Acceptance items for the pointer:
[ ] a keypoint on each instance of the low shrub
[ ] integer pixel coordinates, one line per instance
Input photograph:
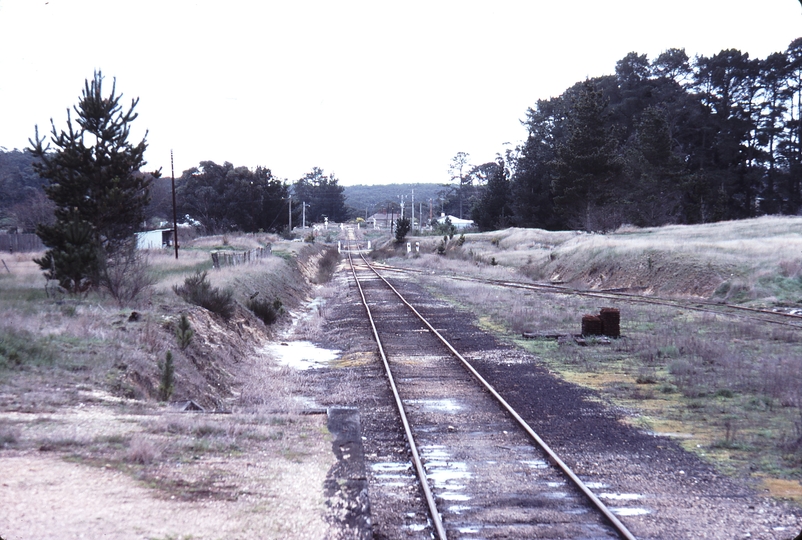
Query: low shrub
(18, 349)
(142, 451)
(126, 276)
(166, 377)
(266, 310)
(327, 266)
(197, 290)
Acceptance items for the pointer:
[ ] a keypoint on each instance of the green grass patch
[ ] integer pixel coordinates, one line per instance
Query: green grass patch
(19, 349)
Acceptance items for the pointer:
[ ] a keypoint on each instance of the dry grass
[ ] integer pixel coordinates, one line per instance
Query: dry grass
(737, 382)
(758, 260)
(142, 451)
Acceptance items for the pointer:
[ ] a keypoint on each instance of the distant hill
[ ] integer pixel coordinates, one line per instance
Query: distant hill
(370, 199)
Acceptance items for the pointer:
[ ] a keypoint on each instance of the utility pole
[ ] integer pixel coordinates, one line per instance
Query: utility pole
(175, 217)
(413, 210)
(303, 220)
(289, 231)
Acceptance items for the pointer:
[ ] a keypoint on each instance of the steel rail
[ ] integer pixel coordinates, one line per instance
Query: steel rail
(421, 471)
(614, 521)
(704, 306)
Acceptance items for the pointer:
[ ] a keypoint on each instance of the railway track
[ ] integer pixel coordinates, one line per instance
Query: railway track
(779, 318)
(482, 470)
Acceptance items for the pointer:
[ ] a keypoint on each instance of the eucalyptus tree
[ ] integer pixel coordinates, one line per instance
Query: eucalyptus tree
(224, 198)
(324, 195)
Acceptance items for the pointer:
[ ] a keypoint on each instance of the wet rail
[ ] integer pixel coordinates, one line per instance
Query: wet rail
(424, 373)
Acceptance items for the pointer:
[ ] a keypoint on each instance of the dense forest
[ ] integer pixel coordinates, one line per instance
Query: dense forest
(666, 140)
(671, 140)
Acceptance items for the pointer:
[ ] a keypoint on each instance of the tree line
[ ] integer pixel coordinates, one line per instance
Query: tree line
(668, 140)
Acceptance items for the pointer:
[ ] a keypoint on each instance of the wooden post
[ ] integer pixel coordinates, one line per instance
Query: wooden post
(175, 216)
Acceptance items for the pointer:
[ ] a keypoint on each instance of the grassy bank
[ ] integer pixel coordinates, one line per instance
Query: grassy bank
(82, 397)
(92, 341)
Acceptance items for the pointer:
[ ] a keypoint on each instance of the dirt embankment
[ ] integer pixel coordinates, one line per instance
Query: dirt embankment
(645, 273)
(210, 371)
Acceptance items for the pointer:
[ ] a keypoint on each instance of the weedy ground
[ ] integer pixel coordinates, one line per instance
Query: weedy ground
(79, 387)
(729, 388)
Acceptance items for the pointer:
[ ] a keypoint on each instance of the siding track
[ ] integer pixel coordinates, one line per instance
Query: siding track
(792, 320)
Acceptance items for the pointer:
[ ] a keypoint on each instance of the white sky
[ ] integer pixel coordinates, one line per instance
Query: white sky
(374, 91)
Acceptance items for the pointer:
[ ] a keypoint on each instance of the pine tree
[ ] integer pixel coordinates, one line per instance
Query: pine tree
(94, 181)
(402, 227)
(493, 210)
(587, 164)
(166, 377)
(184, 332)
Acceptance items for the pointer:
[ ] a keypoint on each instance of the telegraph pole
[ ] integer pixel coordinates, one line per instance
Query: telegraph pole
(175, 217)
(413, 210)
(289, 231)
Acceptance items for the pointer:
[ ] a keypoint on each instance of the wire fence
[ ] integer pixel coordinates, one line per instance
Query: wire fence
(234, 258)
(20, 242)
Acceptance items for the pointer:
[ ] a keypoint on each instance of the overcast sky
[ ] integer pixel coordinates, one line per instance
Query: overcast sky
(374, 91)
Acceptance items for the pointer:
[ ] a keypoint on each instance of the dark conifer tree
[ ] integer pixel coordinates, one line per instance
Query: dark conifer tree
(94, 186)
(587, 165)
(494, 209)
(531, 185)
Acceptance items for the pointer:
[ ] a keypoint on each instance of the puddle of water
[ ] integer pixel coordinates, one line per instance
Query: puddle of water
(621, 496)
(310, 310)
(446, 405)
(536, 464)
(393, 484)
(448, 496)
(390, 466)
(434, 453)
(670, 434)
(447, 476)
(301, 355)
(630, 511)
(595, 485)
(442, 471)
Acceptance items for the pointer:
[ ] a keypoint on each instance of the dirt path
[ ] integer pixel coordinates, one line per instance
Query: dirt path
(44, 497)
(100, 471)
